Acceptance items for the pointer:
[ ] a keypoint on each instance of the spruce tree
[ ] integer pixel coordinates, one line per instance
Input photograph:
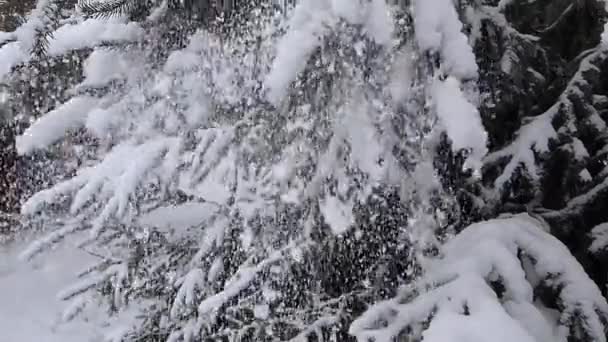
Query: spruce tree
(250, 172)
(545, 75)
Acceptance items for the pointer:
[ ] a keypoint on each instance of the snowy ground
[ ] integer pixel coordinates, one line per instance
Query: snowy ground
(28, 305)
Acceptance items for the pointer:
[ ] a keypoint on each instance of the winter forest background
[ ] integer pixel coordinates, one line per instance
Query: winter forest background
(313, 170)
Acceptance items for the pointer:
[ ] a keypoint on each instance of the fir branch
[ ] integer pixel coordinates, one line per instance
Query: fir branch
(108, 9)
(51, 15)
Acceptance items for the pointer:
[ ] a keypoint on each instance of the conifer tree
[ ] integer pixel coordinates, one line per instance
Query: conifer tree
(544, 74)
(277, 169)
(250, 172)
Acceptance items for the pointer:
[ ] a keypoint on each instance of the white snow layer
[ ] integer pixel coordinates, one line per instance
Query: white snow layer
(68, 37)
(179, 217)
(92, 32)
(466, 306)
(438, 28)
(29, 309)
(599, 236)
(461, 120)
(100, 68)
(11, 54)
(310, 22)
(54, 125)
(103, 66)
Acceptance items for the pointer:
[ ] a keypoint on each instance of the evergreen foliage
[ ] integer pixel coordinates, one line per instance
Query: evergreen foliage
(317, 171)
